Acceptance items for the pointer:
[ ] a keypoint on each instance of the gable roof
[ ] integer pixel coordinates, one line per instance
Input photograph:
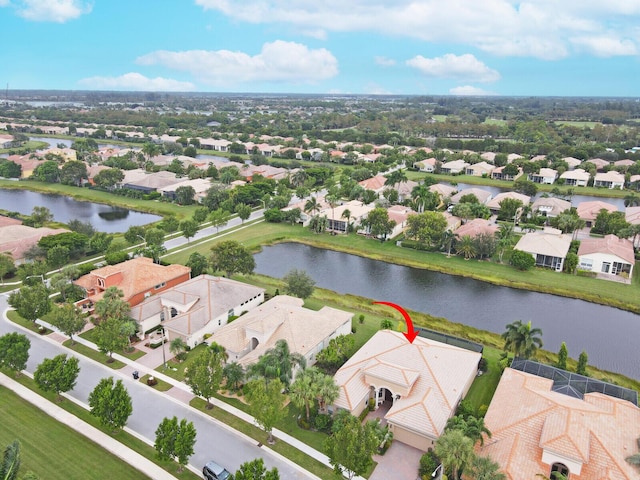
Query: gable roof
(526, 418)
(590, 210)
(483, 196)
(609, 244)
(434, 373)
(476, 227)
(374, 183)
(494, 203)
(632, 215)
(551, 205)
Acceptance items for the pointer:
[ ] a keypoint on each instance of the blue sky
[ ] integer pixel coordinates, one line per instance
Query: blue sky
(421, 47)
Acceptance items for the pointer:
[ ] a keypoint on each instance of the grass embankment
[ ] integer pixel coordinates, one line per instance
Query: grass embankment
(52, 450)
(98, 196)
(614, 294)
(26, 147)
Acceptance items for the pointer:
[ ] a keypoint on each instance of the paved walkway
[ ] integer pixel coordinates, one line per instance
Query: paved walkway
(182, 392)
(110, 444)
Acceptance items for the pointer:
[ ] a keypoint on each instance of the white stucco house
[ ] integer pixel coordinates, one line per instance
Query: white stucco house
(197, 307)
(609, 255)
(282, 317)
(549, 247)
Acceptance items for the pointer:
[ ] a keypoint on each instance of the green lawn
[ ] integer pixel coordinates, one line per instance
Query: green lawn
(574, 123)
(51, 449)
(484, 386)
(94, 355)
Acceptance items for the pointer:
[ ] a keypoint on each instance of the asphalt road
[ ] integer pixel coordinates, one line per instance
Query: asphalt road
(214, 441)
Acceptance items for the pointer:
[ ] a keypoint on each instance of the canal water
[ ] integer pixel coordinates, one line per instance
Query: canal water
(609, 335)
(104, 218)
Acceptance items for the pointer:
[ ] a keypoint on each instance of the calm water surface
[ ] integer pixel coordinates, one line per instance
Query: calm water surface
(608, 335)
(104, 218)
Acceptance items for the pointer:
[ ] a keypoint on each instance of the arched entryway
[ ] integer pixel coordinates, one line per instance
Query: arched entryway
(254, 343)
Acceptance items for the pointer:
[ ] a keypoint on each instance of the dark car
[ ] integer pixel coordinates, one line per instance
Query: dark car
(213, 471)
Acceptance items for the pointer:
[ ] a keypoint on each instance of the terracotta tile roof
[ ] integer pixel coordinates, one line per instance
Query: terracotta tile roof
(443, 190)
(483, 196)
(494, 203)
(551, 205)
(610, 244)
(632, 215)
(545, 243)
(136, 275)
(374, 183)
(434, 373)
(590, 210)
(526, 419)
(16, 239)
(477, 226)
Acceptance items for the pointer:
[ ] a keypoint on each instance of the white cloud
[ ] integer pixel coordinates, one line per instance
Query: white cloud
(375, 89)
(138, 82)
(469, 90)
(461, 67)
(278, 61)
(384, 61)
(4, 3)
(52, 10)
(606, 46)
(537, 28)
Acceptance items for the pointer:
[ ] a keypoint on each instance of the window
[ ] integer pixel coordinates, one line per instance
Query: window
(174, 312)
(605, 267)
(160, 285)
(101, 282)
(162, 316)
(559, 471)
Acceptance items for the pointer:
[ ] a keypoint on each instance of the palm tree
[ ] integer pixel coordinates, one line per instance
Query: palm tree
(466, 246)
(233, 374)
(424, 199)
(178, 348)
(483, 468)
(150, 150)
(631, 200)
(522, 339)
(395, 177)
(277, 362)
(448, 237)
(454, 451)
(298, 178)
(346, 213)
(504, 238)
(472, 427)
(219, 350)
(312, 205)
(332, 200)
(634, 459)
(304, 390)
(327, 391)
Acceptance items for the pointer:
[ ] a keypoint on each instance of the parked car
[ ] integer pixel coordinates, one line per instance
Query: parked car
(213, 471)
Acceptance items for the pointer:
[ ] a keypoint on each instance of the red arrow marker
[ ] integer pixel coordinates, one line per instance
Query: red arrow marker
(411, 333)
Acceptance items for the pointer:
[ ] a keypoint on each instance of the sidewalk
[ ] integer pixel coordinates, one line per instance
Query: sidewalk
(184, 394)
(110, 444)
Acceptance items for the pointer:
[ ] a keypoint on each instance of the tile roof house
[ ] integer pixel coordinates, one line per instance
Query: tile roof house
(545, 176)
(610, 179)
(536, 431)
(337, 223)
(445, 191)
(404, 189)
(497, 174)
(483, 196)
(427, 165)
(572, 162)
(421, 383)
(479, 169)
(399, 214)
(377, 183)
(138, 278)
(282, 317)
(494, 203)
(16, 239)
(488, 156)
(588, 211)
(632, 215)
(28, 162)
(609, 255)
(199, 185)
(550, 206)
(576, 178)
(453, 167)
(549, 247)
(197, 307)
(150, 182)
(476, 227)
(599, 163)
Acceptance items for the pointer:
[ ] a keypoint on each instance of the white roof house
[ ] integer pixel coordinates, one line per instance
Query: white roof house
(422, 383)
(196, 307)
(549, 247)
(550, 206)
(576, 178)
(609, 255)
(480, 169)
(610, 179)
(545, 176)
(283, 317)
(454, 166)
(494, 203)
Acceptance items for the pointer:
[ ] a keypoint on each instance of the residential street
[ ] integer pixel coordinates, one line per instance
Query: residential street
(214, 441)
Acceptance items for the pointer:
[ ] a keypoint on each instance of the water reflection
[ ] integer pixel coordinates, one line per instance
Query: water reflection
(608, 335)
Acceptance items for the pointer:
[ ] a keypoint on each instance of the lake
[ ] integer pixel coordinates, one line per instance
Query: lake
(608, 335)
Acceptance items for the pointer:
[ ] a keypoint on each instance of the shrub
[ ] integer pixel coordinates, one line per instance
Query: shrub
(322, 422)
(372, 404)
(113, 258)
(428, 463)
(482, 365)
(361, 319)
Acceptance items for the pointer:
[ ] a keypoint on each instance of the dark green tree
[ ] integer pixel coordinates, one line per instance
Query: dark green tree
(234, 375)
(73, 172)
(243, 211)
(266, 404)
(68, 319)
(255, 470)
(583, 360)
(197, 263)
(522, 260)
(57, 374)
(204, 375)
(299, 283)
(31, 302)
(379, 224)
(111, 403)
(521, 339)
(563, 354)
(351, 446)
(14, 351)
(189, 228)
(185, 195)
(231, 257)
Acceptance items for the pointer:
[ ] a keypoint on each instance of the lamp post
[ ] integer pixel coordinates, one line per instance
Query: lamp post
(435, 472)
